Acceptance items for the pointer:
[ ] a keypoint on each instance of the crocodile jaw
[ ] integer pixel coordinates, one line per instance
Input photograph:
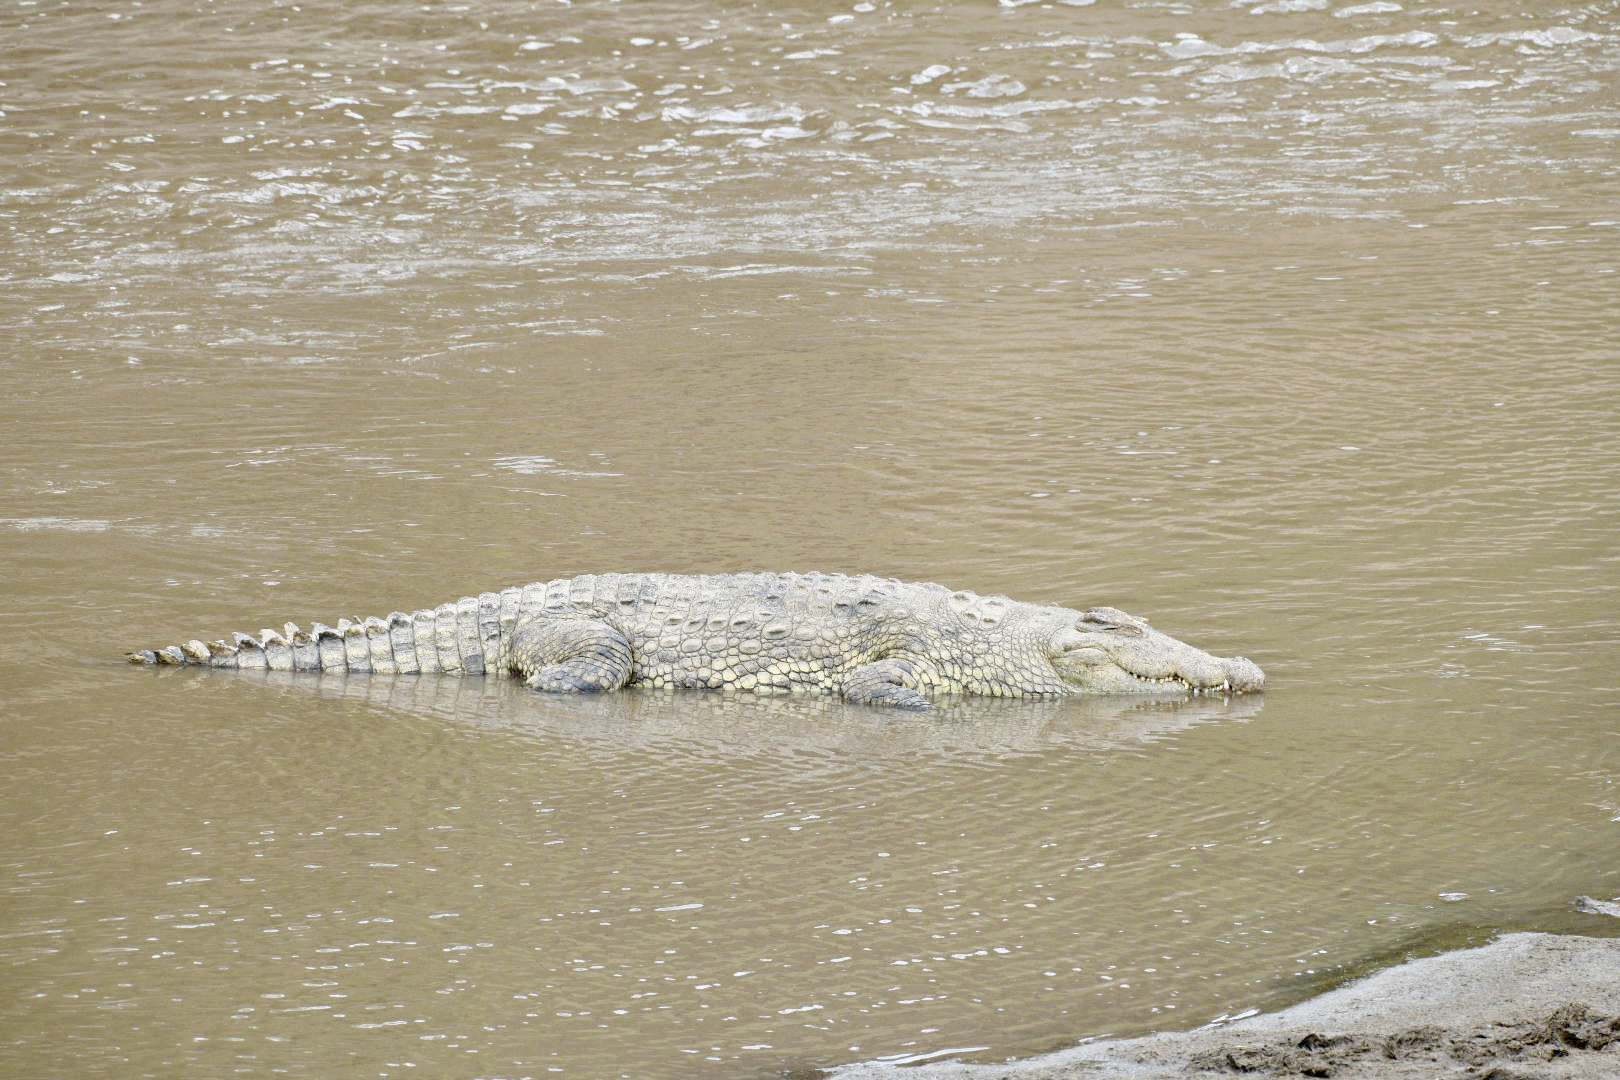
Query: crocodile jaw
(1113, 653)
(1238, 675)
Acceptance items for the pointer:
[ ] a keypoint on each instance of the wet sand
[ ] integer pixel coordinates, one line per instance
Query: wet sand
(1524, 1007)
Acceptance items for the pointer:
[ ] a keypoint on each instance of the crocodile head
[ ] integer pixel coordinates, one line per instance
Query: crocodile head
(1109, 652)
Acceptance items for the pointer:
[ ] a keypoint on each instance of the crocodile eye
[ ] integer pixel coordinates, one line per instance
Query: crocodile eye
(1108, 619)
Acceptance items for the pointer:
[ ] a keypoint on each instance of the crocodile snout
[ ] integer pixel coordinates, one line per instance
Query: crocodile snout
(1243, 674)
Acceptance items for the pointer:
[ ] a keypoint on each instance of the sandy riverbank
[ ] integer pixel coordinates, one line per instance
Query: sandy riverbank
(1524, 1007)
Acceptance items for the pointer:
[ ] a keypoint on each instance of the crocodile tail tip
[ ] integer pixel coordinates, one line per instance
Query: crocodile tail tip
(195, 652)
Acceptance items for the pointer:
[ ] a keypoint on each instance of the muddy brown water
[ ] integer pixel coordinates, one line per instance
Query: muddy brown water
(1289, 325)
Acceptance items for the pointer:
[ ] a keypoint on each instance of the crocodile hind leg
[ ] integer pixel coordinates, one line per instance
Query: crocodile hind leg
(569, 656)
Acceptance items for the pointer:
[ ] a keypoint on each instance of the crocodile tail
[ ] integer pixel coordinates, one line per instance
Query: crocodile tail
(454, 638)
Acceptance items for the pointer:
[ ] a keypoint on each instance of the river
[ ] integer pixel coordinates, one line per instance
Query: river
(1287, 324)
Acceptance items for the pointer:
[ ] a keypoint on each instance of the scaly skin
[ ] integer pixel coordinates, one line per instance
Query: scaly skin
(872, 640)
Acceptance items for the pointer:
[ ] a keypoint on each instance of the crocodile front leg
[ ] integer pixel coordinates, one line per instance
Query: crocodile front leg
(569, 656)
(891, 681)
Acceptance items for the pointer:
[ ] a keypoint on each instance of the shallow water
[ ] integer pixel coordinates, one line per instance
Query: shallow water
(1287, 325)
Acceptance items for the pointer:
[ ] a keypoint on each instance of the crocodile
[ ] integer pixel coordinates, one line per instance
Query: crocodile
(874, 641)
